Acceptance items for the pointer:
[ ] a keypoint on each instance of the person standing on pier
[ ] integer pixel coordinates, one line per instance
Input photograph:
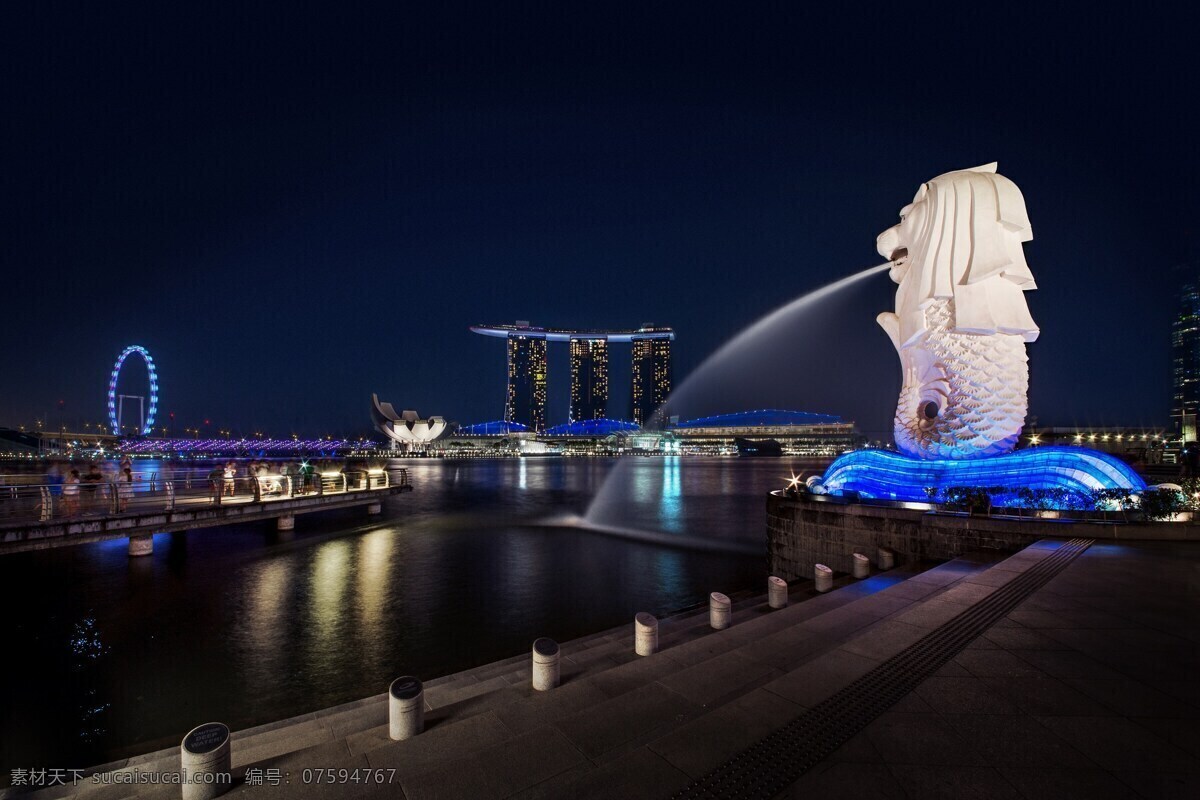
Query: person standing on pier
(216, 479)
(90, 483)
(70, 494)
(54, 479)
(109, 477)
(229, 475)
(307, 471)
(124, 489)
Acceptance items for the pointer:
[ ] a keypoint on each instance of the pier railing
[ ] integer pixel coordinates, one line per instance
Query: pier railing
(44, 502)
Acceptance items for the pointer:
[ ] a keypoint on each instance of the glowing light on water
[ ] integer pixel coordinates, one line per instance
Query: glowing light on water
(374, 566)
(328, 586)
(671, 507)
(86, 643)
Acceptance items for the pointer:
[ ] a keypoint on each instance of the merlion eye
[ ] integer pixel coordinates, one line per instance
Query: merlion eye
(930, 410)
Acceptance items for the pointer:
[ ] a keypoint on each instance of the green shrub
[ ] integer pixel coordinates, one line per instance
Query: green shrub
(1159, 505)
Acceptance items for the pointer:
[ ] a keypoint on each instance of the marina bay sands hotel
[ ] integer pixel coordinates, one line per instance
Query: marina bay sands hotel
(526, 400)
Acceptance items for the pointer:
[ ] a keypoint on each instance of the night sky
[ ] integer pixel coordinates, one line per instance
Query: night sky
(294, 205)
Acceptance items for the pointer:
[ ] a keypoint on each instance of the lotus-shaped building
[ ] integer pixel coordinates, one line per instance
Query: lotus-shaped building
(407, 427)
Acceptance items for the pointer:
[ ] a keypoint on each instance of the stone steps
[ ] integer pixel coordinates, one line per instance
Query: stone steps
(612, 706)
(820, 657)
(696, 671)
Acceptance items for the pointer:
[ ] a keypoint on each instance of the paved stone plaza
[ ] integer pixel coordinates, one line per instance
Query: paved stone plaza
(1088, 688)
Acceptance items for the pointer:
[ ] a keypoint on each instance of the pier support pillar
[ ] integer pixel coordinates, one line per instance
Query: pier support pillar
(823, 576)
(406, 708)
(141, 545)
(645, 634)
(545, 664)
(777, 592)
(286, 522)
(205, 758)
(375, 508)
(720, 609)
(862, 566)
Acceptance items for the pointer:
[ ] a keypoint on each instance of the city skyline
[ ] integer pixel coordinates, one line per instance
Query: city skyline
(264, 231)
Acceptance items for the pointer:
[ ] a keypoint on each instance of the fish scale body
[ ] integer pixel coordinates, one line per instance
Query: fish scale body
(978, 381)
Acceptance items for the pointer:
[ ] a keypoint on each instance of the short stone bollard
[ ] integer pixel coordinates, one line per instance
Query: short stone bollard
(823, 576)
(886, 558)
(720, 609)
(206, 762)
(545, 664)
(777, 592)
(406, 708)
(862, 566)
(645, 634)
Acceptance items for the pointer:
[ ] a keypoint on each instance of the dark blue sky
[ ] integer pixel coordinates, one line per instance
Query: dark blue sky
(294, 205)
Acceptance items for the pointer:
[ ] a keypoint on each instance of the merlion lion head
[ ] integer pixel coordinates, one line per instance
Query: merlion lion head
(961, 321)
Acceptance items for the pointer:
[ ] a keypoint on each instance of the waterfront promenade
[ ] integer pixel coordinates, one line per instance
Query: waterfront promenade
(1080, 683)
(33, 519)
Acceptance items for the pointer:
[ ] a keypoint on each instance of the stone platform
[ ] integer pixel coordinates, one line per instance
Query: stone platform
(1086, 688)
(803, 530)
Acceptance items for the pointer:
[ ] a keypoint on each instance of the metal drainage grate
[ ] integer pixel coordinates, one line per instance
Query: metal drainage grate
(778, 760)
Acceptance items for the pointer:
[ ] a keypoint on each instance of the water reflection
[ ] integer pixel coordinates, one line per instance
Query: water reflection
(269, 587)
(328, 590)
(449, 578)
(88, 652)
(645, 485)
(374, 569)
(522, 570)
(86, 645)
(269, 592)
(669, 570)
(671, 508)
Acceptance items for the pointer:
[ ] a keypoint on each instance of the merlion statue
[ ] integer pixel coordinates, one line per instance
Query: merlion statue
(961, 322)
(960, 327)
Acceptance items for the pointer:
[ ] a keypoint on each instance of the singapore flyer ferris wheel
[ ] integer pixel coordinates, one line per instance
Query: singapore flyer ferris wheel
(116, 402)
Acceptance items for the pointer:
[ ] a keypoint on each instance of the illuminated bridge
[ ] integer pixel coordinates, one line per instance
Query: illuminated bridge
(525, 402)
(216, 447)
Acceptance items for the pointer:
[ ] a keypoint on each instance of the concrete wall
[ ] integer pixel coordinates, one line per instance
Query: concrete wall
(803, 531)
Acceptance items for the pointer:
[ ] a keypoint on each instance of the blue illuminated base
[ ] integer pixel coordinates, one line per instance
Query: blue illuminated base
(888, 475)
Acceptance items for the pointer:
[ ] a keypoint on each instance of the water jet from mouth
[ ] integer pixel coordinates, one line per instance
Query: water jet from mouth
(713, 379)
